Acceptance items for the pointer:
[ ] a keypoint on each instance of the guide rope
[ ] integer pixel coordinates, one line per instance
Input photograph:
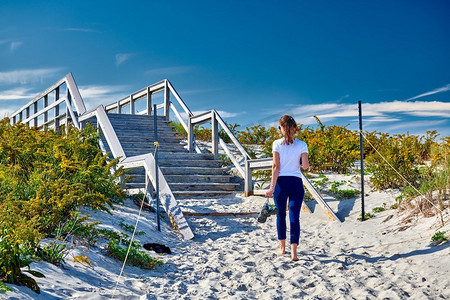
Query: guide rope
(422, 195)
(134, 232)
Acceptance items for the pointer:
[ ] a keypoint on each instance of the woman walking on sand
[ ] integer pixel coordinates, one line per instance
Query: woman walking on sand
(289, 155)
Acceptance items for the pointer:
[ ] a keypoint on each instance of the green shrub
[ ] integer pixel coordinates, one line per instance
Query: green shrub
(367, 216)
(44, 176)
(347, 193)
(378, 209)
(53, 253)
(135, 257)
(439, 237)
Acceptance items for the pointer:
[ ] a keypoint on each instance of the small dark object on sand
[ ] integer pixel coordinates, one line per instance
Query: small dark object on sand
(158, 248)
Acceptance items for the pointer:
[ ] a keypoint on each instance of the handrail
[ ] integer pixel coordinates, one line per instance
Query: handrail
(32, 113)
(266, 164)
(211, 116)
(148, 162)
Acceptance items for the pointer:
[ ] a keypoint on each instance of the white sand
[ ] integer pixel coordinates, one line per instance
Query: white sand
(234, 257)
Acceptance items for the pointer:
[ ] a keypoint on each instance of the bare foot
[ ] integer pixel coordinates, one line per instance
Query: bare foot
(295, 258)
(281, 251)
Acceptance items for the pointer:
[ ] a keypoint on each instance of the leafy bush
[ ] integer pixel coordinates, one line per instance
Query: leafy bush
(53, 253)
(367, 216)
(439, 237)
(135, 257)
(378, 209)
(44, 176)
(347, 193)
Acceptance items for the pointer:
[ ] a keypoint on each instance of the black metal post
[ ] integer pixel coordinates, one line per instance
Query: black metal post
(362, 160)
(155, 115)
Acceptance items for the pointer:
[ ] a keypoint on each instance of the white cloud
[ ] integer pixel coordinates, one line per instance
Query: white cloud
(14, 45)
(331, 111)
(435, 91)
(16, 94)
(94, 95)
(27, 76)
(122, 57)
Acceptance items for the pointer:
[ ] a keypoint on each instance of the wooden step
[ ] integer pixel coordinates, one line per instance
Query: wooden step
(191, 170)
(192, 179)
(180, 195)
(198, 178)
(189, 163)
(204, 186)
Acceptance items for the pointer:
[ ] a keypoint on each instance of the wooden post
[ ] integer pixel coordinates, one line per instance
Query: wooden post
(248, 188)
(149, 101)
(215, 135)
(155, 122)
(46, 113)
(68, 106)
(190, 136)
(131, 105)
(362, 160)
(119, 108)
(35, 110)
(27, 113)
(56, 118)
(166, 100)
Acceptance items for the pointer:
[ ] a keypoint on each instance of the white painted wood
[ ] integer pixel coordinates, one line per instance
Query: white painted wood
(202, 118)
(178, 115)
(266, 164)
(177, 96)
(76, 96)
(42, 111)
(166, 100)
(149, 102)
(110, 134)
(168, 200)
(215, 136)
(260, 164)
(231, 156)
(319, 199)
(166, 196)
(131, 105)
(231, 135)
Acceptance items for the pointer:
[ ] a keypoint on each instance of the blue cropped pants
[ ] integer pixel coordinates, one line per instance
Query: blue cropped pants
(289, 187)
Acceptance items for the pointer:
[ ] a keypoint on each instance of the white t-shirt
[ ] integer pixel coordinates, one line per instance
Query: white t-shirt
(290, 156)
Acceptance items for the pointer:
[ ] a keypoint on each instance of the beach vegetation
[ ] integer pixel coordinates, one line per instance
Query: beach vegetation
(53, 253)
(130, 228)
(46, 176)
(136, 257)
(82, 259)
(378, 209)
(439, 237)
(367, 216)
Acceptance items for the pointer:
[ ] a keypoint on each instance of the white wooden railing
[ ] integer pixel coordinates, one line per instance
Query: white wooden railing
(148, 162)
(129, 104)
(59, 104)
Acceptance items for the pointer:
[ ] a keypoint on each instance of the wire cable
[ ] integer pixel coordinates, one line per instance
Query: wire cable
(132, 236)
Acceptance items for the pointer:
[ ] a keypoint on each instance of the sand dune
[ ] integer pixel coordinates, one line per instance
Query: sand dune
(233, 257)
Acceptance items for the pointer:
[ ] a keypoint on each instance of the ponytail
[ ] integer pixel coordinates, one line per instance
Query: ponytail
(290, 129)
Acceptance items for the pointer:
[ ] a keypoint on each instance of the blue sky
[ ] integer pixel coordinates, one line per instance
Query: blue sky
(251, 60)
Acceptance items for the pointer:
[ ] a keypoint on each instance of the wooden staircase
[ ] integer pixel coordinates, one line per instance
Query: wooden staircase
(189, 175)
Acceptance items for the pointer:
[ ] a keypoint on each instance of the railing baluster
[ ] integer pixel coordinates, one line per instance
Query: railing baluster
(166, 100)
(56, 117)
(131, 105)
(149, 101)
(215, 135)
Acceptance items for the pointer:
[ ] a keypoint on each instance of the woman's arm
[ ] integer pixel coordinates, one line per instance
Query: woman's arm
(305, 161)
(275, 173)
